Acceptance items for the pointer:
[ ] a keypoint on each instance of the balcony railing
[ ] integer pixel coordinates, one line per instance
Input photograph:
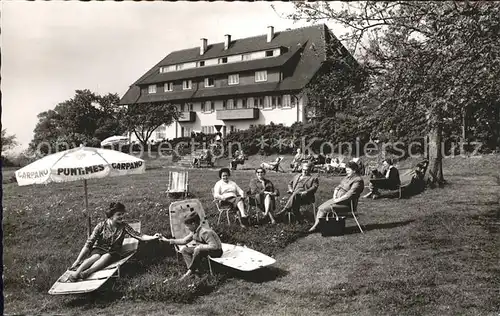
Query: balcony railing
(189, 116)
(238, 114)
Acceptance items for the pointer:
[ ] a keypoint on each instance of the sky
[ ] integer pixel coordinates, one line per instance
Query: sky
(52, 48)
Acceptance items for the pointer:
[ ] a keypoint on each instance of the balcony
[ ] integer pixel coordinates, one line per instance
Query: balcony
(189, 116)
(238, 114)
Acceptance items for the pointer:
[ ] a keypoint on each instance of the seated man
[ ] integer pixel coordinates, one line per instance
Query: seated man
(297, 160)
(302, 189)
(238, 159)
(350, 188)
(207, 243)
(388, 179)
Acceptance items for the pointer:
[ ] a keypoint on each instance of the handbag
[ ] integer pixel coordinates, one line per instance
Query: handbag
(332, 226)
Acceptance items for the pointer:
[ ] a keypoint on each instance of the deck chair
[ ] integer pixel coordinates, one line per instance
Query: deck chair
(415, 174)
(233, 256)
(221, 209)
(274, 166)
(178, 182)
(98, 278)
(177, 212)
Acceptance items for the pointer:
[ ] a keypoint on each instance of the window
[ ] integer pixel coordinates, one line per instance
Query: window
(161, 132)
(233, 79)
(230, 104)
(152, 88)
(208, 130)
(191, 107)
(269, 53)
(224, 104)
(258, 102)
(169, 86)
(261, 76)
(250, 103)
(286, 101)
(201, 63)
(247, 57)
(187, 84)
(293, 101)
(207, 106)
(231, 128)
(223, 60)
(179, 67)
(244, 103)
(268, 102)
(209, 82)
(182, 107)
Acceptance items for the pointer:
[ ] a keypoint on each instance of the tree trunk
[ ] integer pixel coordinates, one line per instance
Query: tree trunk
(496, 127)
(435, 156)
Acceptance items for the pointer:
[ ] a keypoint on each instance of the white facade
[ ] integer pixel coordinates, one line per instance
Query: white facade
(205, 121)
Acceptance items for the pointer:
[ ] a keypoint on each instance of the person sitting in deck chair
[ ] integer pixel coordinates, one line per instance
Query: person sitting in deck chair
(104, 243)
(230, 194)
(388, 179)
(207, 243)
(239, 159)
(302, 189)
(264, 193)
(275, 165)
(350, 188)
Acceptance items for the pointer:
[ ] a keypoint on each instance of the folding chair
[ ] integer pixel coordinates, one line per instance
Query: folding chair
(352, 207)
(178, 183)
(313, 204)
(221, 209)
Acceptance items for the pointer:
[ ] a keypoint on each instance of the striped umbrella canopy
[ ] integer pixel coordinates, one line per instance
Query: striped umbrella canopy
(80, 164)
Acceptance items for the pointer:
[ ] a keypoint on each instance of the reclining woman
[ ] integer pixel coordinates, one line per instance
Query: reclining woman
(230, 194)
(264, 193)
(105, 242)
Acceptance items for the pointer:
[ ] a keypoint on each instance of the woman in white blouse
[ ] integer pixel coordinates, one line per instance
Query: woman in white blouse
(230, 194)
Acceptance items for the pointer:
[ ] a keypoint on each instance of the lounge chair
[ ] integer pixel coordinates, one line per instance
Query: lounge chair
(98, 278)
(178, 182)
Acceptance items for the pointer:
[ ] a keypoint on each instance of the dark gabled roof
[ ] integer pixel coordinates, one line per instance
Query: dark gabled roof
(269, 62)
(305, 54)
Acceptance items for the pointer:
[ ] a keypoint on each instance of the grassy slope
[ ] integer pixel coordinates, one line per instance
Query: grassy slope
(436, 253)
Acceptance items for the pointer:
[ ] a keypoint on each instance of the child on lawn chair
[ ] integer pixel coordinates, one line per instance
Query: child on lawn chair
(207, 243)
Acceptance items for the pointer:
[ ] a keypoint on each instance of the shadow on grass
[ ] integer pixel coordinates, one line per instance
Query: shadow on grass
(261, 275)
(355, 229)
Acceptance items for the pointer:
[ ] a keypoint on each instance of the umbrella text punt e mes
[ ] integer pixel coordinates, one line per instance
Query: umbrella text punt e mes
(81, 163)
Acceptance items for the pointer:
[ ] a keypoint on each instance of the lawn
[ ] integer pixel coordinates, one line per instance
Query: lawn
(435, 253)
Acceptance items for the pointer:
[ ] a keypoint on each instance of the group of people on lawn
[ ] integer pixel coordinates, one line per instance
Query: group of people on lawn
(105, 242)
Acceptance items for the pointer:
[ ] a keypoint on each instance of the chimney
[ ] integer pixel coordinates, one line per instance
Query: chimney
(203, 47)
(227, 42)
(270, 33)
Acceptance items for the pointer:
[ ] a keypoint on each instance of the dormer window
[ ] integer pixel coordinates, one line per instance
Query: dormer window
(152, 88)
(261, 76)
(169, 86)
(201, 63)
(187, 84)
(223, 60)
(233, 79)
(269, 53)
(209, 82)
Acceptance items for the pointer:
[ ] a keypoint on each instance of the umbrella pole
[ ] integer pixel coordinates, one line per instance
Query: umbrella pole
(87, 208)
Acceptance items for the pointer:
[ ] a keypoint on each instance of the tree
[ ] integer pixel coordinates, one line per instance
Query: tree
(8, 141)
(143, 119)
(87, 119)
(428, 61)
